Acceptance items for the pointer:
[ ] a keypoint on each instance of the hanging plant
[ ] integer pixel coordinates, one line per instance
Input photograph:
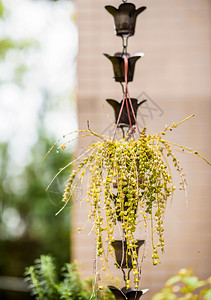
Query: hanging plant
(127, 178)
(129, 183)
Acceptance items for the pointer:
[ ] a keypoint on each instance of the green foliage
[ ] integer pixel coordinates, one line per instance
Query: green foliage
(185, 286)
(1, 9)
(7, 44)
(139, 173)
(25, 194)
(23, 182)
(46, 283)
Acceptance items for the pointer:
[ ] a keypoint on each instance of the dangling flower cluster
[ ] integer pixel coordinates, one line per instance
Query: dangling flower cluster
(128, 178)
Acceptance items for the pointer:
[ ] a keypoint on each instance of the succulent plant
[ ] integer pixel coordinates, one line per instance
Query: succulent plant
(129, 184)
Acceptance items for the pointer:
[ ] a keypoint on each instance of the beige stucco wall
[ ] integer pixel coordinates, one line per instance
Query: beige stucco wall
(176, 74)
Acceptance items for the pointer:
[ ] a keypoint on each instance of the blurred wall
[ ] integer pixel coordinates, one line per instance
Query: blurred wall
(175, 73)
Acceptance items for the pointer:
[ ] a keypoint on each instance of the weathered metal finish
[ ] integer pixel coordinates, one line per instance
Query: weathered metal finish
(125, 18)
(124, 120)
(123, 259)
(119, 67)
(119, 295)
(127, 294)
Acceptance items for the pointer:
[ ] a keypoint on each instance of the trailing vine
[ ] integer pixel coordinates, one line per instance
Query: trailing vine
(128, 179)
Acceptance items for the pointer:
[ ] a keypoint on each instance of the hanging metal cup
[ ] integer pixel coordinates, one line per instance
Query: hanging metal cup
(119, 66)
(124, 119)
(127, 294)
(125, 18)
(123, 259)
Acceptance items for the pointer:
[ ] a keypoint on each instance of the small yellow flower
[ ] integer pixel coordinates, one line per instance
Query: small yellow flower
(100, 287)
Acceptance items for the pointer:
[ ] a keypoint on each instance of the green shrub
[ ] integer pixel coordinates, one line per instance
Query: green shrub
(185, 286)
(46, 283)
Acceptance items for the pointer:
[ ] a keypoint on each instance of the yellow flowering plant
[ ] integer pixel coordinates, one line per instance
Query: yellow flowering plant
(129, 181)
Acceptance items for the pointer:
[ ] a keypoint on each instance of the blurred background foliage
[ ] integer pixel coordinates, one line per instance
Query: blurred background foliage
(28, 225)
